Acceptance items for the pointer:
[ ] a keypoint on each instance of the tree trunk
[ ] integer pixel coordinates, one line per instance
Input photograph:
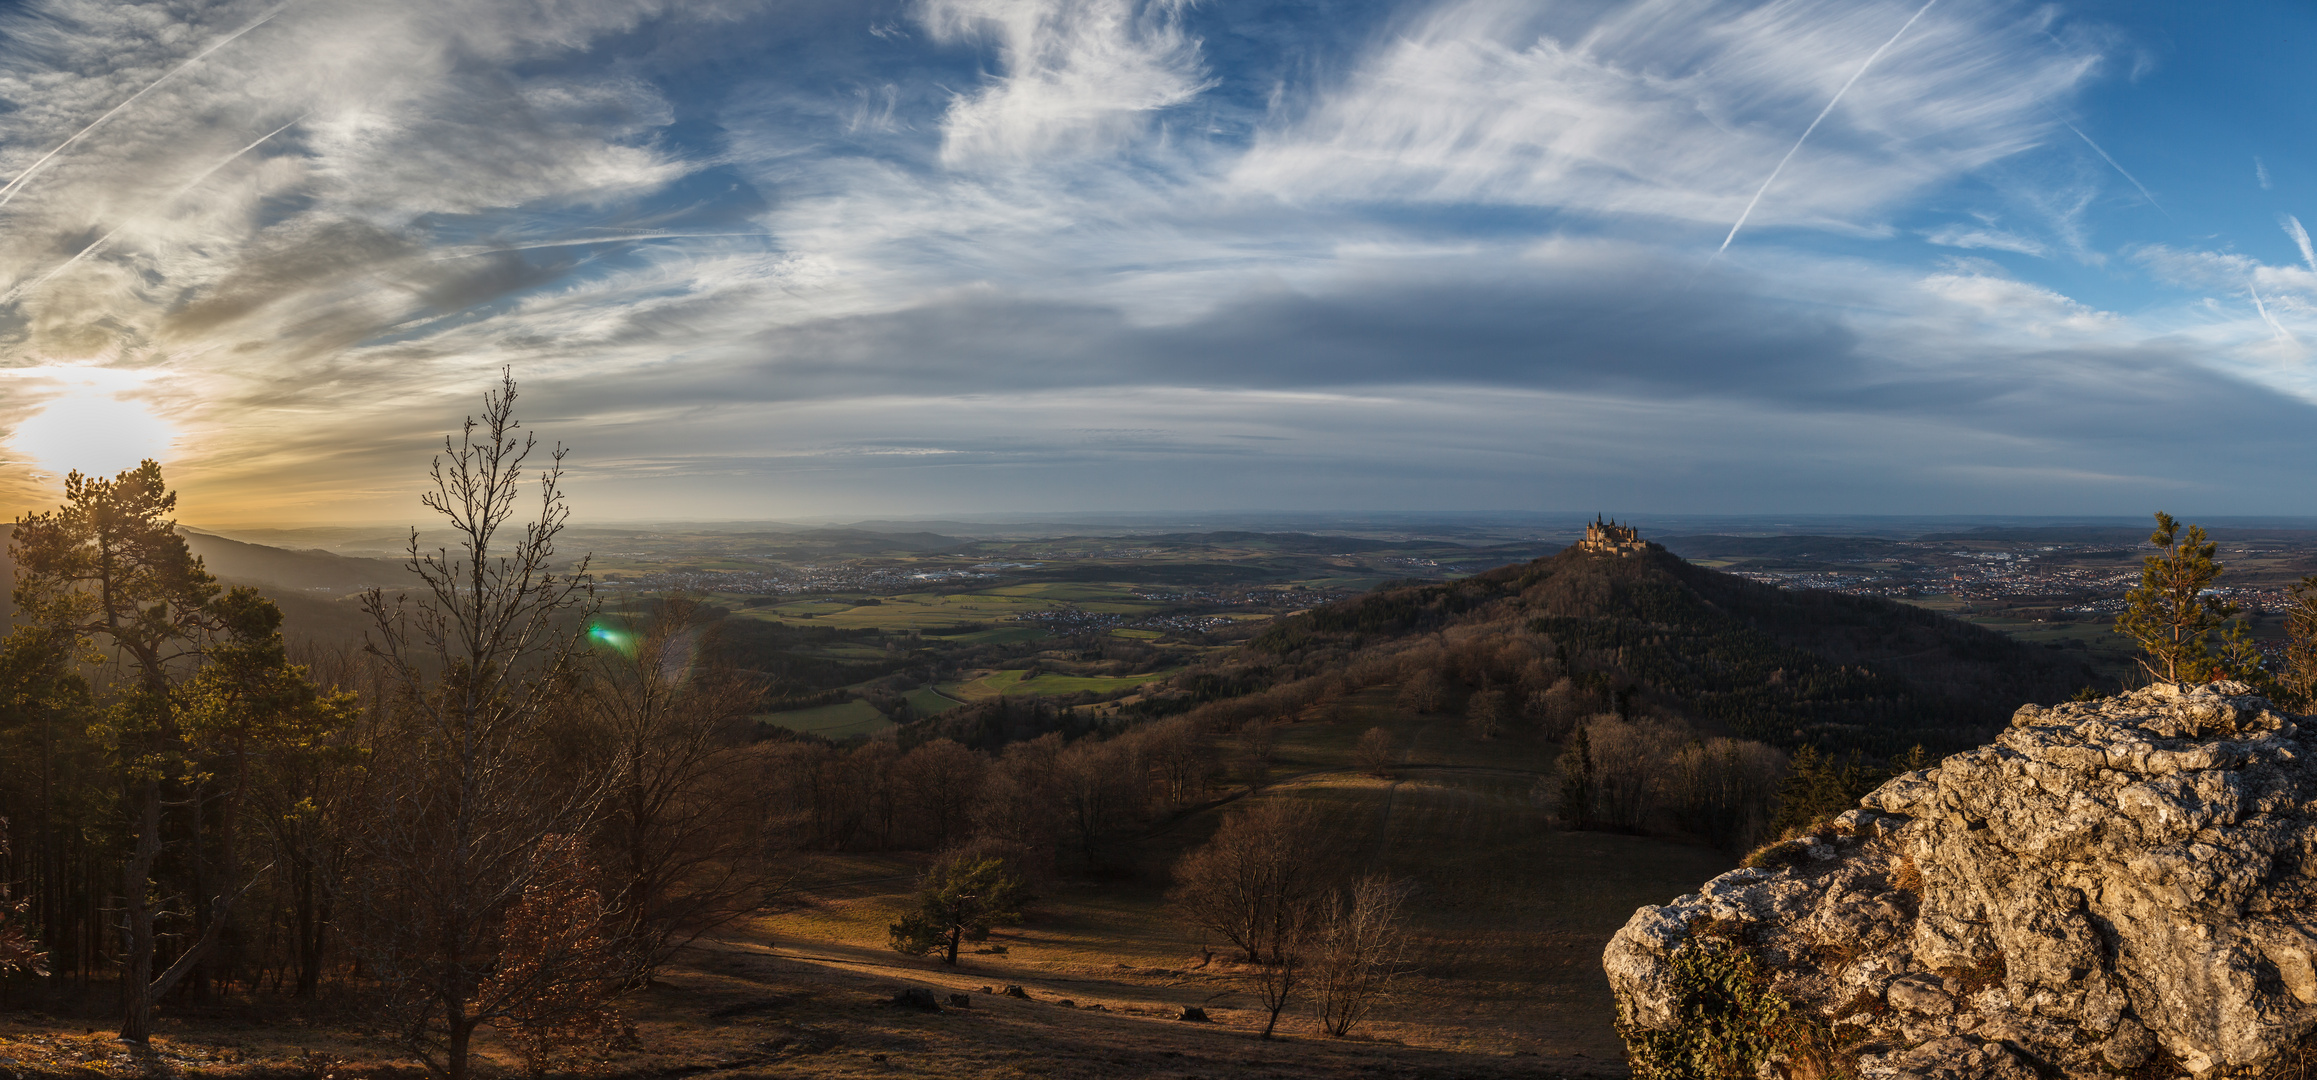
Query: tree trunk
(954, 932)
(307, 931)
(136, 888)
(462, 1031)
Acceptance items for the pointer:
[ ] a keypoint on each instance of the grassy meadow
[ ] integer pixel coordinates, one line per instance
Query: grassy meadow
(1508, 914)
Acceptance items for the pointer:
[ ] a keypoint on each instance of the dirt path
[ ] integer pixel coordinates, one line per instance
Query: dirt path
(1163, 988)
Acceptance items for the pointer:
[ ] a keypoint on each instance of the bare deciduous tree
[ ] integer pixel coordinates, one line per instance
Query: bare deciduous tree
(1181, 757)
(940, 780)
(1358, 951)
(1104, 787)
(1424, 691)
(481, 663)
(1277, 982)
(676, 835)
(1374, 752)
(1258, 741)
(1256, 878)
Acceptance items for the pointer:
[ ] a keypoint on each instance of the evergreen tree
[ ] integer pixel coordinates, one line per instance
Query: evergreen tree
(108, 570)
(2297, 684)
(2173, 618)
(960, 898)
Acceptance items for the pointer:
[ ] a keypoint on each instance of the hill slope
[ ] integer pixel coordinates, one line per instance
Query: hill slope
(304, 583)
(1786, 667)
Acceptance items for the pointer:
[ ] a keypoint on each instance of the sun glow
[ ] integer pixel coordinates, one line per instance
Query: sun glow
(92, 430)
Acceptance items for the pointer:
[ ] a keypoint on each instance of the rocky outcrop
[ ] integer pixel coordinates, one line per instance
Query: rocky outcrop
(2125, 885)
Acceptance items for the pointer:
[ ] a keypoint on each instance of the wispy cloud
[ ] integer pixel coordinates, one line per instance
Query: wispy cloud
(1964, 236)
(1077, 76)
(2292, 226)
(1653, 110)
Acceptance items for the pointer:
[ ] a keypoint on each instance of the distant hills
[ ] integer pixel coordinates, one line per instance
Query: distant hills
(1787, 667)
(307, 584)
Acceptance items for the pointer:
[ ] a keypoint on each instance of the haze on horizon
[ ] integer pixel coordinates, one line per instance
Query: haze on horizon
(822, 260)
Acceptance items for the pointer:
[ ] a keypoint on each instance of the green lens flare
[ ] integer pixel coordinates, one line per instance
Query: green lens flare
(612, 638)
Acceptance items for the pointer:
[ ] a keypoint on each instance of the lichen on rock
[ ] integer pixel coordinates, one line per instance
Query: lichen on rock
(2123, 885)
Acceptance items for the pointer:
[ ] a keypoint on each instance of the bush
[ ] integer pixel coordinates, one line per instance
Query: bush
(1727, 1019)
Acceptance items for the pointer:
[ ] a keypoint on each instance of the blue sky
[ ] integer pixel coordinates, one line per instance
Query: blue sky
(807, 259)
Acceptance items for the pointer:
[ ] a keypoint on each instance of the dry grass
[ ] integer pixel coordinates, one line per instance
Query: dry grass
(1509, 917)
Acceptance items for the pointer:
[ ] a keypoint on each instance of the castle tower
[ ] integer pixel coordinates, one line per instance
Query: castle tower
(1607, 537)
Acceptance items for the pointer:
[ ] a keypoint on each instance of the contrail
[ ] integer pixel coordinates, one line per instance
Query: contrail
(2282, 333)
(1830, 104)
(2119, 168)
(2300, 236)
(15, 187)
(173, 197)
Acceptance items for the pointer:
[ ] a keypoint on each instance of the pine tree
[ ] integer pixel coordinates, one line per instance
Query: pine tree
(2172, 616)
(108, 569)
(960, 899)
(2297, 684)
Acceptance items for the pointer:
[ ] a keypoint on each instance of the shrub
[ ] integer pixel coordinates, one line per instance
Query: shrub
(1727, 1019)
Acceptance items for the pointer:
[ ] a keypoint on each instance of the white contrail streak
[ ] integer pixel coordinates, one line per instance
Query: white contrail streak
(2300, 236)
(2119, 168)
(173, 197)
(16, 186)
(2282, 333)
(1830, 104)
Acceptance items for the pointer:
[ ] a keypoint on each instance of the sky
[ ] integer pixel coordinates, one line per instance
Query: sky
(799, 260)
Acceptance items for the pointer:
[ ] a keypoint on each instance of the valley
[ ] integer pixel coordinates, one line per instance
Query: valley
(1485, 665)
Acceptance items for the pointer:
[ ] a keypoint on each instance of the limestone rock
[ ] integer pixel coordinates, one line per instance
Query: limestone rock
(2106, 883)
(1956, 1057)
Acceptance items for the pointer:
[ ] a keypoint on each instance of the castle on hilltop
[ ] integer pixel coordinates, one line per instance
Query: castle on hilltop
(1610, 538)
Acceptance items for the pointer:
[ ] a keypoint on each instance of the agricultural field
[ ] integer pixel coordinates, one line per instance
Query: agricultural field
(839, 722)
(1010, 681)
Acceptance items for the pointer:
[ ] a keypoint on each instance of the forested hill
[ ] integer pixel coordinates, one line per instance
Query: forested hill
(307, 584)
(1653, 632)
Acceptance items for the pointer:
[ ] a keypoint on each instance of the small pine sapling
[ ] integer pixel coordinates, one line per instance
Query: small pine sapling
(2174, 613)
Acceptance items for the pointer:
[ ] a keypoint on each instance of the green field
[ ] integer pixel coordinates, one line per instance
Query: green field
(908, 611)
(927, 701)
(937, 610)
(1010, 682)
(841, 721)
